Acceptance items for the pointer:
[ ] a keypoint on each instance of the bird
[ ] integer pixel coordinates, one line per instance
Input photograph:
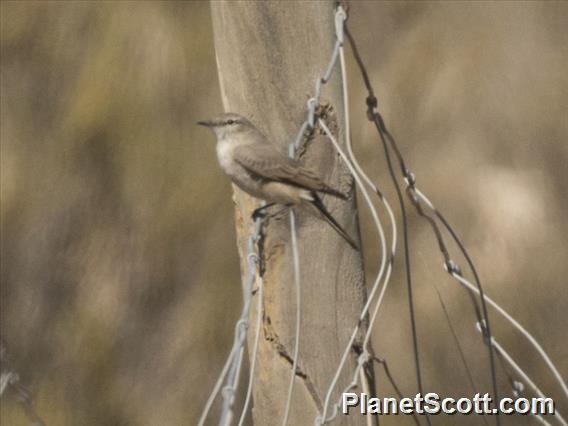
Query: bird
(256, 166)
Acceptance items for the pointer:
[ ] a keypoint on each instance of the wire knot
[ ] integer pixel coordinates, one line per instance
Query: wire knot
(312, 105)
(228, 393)
(253, 257)
(372, 104)
(363, 358)
(482, 327)
(340, 17)
(345, 6)
(242, 325)
(452, 268)
(410, 179)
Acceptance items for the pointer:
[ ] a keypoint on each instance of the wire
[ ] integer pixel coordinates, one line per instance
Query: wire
(323, 419)
(232, 367)
(357, 166)
(254, 353)
(520, 372)
(376, 118)
(296, 261)
(359, 175)
(518, 326)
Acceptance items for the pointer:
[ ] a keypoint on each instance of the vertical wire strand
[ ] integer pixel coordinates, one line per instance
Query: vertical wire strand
(364, 380)
(365, 385)
(375, 286)
(297, 287)
(231, 369)
(370, 183)
(339, 24)
(217, 387)
(356, 165)
(408, 272)
(340, 17)
(254, 350)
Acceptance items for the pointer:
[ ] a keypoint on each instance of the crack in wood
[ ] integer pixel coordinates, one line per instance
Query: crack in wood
(272, 337)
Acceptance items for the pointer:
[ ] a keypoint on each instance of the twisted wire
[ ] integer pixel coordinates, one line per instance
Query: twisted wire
(231, 370)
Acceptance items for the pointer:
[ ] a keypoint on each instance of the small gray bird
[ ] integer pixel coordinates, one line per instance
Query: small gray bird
(258, 168)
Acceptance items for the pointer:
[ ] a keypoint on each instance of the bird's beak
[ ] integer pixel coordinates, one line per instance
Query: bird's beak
(205, 123)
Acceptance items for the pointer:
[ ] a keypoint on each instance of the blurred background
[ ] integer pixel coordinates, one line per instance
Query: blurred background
(120, 277)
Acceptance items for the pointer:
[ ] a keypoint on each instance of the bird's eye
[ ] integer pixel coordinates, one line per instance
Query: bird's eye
(230, 121)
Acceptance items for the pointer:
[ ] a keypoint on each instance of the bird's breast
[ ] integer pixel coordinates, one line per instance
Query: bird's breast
(225, 156)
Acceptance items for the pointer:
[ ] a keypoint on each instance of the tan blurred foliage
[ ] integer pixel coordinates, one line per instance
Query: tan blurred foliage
(119, 279)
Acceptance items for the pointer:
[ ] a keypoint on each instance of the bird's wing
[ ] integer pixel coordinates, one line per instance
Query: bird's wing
(266, 162)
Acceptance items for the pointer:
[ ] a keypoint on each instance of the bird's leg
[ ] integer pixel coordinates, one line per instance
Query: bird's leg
(258, 213)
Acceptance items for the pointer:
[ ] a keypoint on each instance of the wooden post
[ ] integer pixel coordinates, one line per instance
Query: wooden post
(269, 55)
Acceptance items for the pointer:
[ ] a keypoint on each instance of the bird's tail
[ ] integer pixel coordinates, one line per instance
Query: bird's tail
(334, 192)
(322, 210)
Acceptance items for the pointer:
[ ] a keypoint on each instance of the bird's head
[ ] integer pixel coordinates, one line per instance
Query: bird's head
(227, 125)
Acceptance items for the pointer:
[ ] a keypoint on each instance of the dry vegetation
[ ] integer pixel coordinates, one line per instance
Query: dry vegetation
(119, 278)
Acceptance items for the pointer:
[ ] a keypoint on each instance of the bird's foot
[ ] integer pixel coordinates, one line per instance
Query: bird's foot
(259, 213)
